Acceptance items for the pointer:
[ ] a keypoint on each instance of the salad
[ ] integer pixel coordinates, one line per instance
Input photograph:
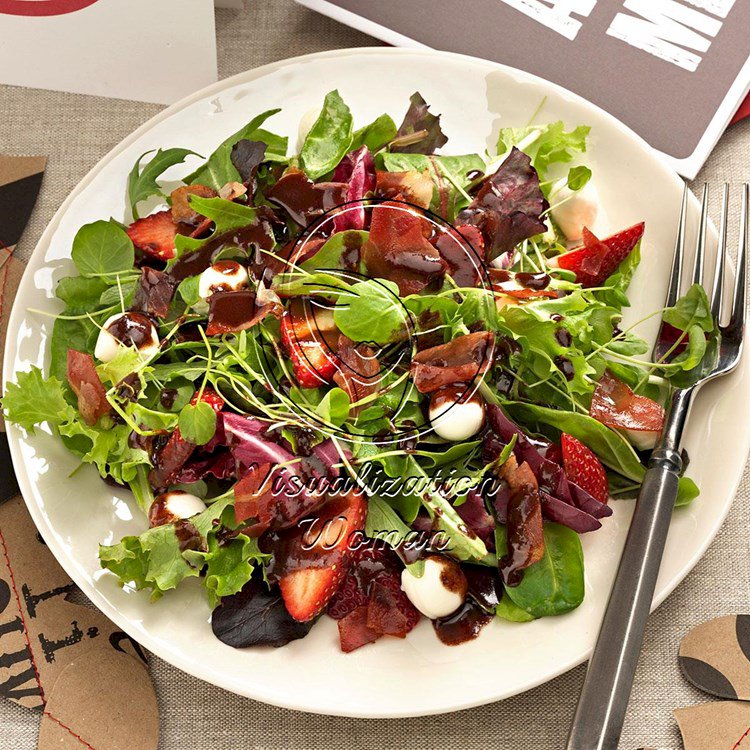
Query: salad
(369, 381)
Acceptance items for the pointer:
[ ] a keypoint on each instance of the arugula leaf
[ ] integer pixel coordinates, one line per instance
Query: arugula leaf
(375, 135)
(383, 522)
(197, 423)
(371, 312)
(329, 139)
(142, 183)
(32, 400)
(219, 170)
(331, 255)
(462, 546)
(102, 248)
(226, 215)
(555, 584)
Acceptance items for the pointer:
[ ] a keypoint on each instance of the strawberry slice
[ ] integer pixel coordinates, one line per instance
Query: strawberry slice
(597, 260)
(155, 234)
(583, 468)
(210, 397)
(315, 559)
(615, 405)
(312, 361)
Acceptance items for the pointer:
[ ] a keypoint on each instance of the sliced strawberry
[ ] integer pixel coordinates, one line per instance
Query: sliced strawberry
(390, 611)
(313, 363)
(85, 382)
(155, 234)
(210, 397)
(584, 469)
(315, 559)
(354, 631)
(597, 260)
(348, 597)
(615, 405)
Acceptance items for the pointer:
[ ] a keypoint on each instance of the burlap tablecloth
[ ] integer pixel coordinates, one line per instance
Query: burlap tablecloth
(75, 132)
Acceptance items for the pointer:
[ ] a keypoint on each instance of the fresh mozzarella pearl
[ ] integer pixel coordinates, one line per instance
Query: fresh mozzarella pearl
(174, 506)
(305, 125)
(440, 591)
(223, 276)
(572, 211)
(126, 329)
(644, 440)
(455, 418)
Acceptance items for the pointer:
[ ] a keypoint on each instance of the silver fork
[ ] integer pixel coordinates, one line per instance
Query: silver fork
(604, 698)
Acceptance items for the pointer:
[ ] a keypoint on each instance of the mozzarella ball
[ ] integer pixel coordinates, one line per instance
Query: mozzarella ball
(572, 211)
(455, 417)
(174, 506)
(441, 589)
(643, 440)
(127, 329)
(305, 125)
(222, 276)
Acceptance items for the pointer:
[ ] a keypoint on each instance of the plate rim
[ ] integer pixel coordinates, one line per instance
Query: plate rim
(14, 432)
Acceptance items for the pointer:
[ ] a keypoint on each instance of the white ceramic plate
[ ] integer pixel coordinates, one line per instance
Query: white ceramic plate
(393, 677)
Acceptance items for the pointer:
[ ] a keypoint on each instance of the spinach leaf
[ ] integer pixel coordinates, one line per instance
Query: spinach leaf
(70, 334)
(142, 183)
(616, 286)
(329, 139)
(578, 177)
(79, 292)
(334, 407)
(219, 170)
(371, 312)
(691, 309)
(555, 584)
(375, 135)
(197, 423)
(332, 254)
(507, 610)
(102, 248)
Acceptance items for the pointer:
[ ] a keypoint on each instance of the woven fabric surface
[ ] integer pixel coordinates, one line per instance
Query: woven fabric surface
(75, 131)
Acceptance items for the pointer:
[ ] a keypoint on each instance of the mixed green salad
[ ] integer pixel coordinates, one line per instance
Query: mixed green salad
(368, 380)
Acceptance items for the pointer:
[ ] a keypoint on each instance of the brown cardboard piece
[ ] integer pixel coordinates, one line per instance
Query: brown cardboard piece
(715, 657)
(40, 631)
(79, 713)
(721, 725)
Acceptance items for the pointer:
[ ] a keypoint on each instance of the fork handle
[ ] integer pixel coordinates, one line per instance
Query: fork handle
(604, 698)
